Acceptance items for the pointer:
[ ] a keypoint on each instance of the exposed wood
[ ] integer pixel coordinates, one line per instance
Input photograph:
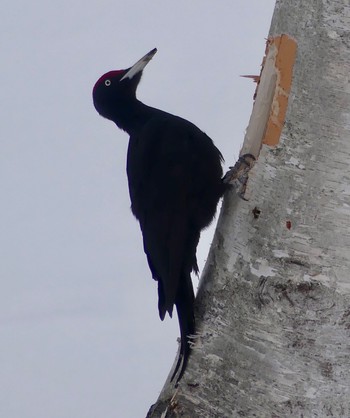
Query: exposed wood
(284, 51)
(271, 96)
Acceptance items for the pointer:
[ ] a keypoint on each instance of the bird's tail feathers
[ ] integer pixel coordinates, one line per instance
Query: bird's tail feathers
(185, 312)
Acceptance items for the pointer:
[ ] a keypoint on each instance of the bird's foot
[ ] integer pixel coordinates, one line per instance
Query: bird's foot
(237, 176)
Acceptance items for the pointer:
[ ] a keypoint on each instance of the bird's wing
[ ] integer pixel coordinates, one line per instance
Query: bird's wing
(164, 236)
(160, 187)
(174, 173)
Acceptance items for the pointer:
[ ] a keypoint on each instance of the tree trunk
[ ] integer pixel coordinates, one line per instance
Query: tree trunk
(273, 307)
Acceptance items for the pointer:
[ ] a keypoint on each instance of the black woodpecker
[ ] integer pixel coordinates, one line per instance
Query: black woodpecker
(174, 175)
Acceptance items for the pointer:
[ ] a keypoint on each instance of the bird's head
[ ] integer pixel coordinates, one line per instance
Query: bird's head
(116, 88)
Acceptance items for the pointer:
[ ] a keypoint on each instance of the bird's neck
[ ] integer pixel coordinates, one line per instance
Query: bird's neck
(131, 116)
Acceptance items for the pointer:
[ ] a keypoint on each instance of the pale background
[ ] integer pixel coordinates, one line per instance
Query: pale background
(80, 335)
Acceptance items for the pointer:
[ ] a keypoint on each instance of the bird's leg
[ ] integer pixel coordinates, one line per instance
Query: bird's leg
(237, 176)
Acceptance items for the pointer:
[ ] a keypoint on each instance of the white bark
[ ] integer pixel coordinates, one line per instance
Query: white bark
(273, 309)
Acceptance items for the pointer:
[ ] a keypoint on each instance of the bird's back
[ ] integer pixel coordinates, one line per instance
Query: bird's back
(174, 172)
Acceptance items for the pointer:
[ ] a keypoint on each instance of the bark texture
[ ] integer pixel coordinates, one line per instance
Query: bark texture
(273, 308)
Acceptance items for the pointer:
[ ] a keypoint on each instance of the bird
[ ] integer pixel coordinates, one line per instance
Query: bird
(175, 182)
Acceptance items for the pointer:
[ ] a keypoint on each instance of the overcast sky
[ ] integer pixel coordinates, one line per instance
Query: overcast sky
(80, 335)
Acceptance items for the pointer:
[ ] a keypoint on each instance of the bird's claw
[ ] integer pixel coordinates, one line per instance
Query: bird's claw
(237, 175)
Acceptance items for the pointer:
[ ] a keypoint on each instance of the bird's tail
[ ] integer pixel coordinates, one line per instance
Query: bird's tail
(185, 311)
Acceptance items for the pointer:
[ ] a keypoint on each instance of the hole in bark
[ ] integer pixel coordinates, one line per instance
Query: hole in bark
(256, 212)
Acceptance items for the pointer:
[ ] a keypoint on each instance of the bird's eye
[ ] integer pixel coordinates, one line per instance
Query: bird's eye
(107, 83)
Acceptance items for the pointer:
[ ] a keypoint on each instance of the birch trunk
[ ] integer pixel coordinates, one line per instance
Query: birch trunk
(273, 308)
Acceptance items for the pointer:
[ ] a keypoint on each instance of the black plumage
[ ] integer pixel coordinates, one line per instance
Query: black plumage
(174, 174)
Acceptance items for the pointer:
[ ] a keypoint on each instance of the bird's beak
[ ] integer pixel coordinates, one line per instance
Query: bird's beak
(140, 65)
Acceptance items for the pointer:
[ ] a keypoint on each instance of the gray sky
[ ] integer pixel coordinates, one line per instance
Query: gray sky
(80, 334)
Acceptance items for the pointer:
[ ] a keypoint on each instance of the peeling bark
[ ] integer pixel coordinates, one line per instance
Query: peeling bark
(273, 307)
